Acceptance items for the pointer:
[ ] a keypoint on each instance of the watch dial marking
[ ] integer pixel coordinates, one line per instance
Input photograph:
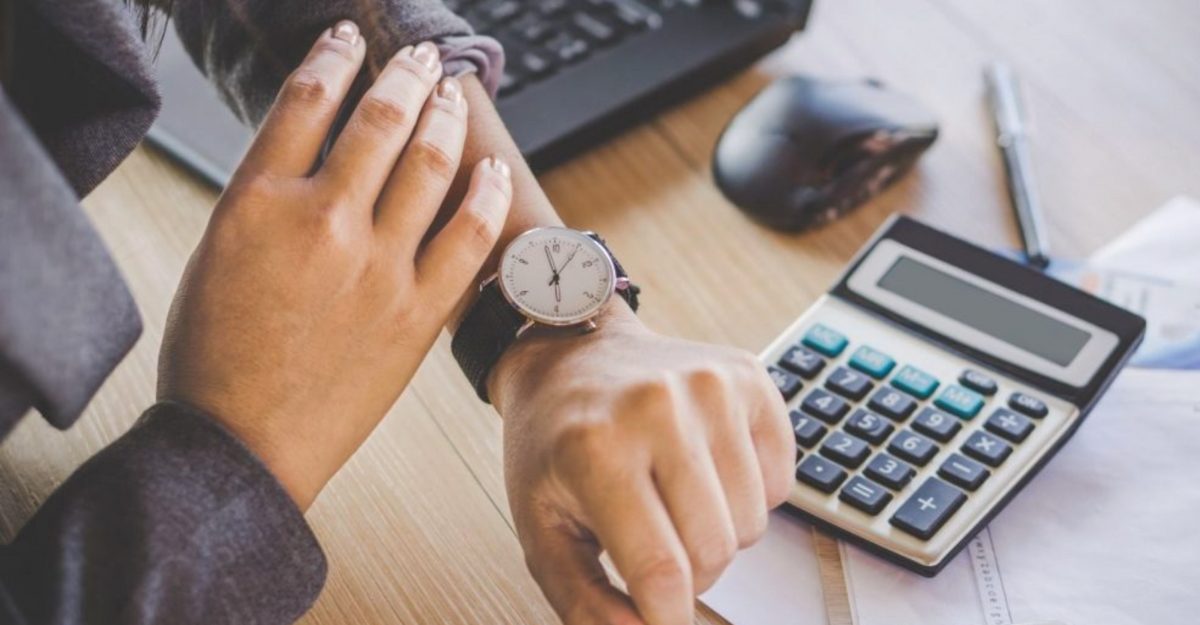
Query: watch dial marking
(556, 275)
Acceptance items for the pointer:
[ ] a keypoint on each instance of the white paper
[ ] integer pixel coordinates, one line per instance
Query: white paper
(1165, 245)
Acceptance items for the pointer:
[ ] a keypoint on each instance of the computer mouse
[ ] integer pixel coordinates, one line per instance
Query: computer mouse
(805, 151)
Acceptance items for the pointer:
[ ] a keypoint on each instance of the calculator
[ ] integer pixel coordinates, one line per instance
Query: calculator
(931, 384)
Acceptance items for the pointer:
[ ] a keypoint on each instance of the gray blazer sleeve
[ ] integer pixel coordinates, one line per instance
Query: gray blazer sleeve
(175, 522)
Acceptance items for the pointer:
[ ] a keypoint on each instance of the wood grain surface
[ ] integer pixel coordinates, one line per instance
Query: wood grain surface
(417, 528)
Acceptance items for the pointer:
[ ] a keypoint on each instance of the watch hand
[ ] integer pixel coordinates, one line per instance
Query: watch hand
(557, 292)
(550, 259)
(569, 258)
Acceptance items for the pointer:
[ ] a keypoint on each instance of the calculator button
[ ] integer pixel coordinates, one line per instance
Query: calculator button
(868, 426)
(892, 404)
(820, 473)
(915, 382)
(986, 448)
(936, 425)
(825, 340)
(1027, 404)
(959, 402)
(872, 362)
(865, 495)
(802, 361)
(808, 430)
(849, 383)
(928, 509)
(913, 447)
(889, 471)
(846, 450)
(787, 383)
(1008, 424)
(978, 382)
(963, 472)
(825, 406)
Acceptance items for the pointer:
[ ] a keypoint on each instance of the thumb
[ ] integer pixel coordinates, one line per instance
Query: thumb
(567, 568)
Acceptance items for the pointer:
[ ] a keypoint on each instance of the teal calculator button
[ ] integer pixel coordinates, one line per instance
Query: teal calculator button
(915, 382)
(872, 362)
(959, 401)
(825, 340)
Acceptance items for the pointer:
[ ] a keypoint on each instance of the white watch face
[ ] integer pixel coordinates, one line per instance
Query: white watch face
(557, 276)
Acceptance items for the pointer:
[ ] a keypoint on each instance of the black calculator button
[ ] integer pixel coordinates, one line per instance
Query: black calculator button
(808, 430)
(986, 448)
(845, 450)
(825, 406)
(936, 424)
(802, 361)
(869, 426)
(865, 495)
(820, 473)
(892, 403)
(963, 472)
(849, 383)
(912, 447)
(978, 382)
(926, 511)
(1028, 405)
(787, 383)
(1008, 424)
(889, 471)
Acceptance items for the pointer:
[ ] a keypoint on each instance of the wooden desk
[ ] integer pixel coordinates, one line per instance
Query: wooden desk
(417, 528)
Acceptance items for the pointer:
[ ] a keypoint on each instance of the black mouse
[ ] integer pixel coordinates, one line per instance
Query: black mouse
(806, 151)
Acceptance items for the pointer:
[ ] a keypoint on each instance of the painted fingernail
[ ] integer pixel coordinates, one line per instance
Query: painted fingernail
(347, 31)
(426, 54)
(450, 90)
(499, 166)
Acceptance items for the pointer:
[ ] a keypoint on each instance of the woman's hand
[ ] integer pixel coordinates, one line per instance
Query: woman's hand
(665, 453)
(315, 293)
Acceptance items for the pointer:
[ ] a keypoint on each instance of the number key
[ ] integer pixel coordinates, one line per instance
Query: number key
(986, 448)
(825, 406)
(1027, 404)
(868, 426)
(890, 472)
(1008, 424)
(846, 450)
(802, 361)
(913, 447)
(849, 383)
(808, 430)
(825, 340)
(892, 404)
(820, 473)
(936, 425)
(872, 362)
(865, 495)
(787, 383)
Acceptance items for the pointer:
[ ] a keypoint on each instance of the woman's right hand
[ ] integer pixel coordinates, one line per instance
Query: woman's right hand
(316, 292)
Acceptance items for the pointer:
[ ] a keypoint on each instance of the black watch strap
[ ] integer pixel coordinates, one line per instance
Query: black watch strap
(490, 327)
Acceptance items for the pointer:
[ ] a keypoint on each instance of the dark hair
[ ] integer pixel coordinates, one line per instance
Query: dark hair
(152, 15)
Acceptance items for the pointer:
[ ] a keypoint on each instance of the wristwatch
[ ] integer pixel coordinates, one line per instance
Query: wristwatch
(555, 277)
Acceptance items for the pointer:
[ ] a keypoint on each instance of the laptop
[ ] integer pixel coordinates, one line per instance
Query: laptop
(578, 71)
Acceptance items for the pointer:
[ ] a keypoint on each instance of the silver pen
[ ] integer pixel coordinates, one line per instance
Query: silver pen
(1012, 137)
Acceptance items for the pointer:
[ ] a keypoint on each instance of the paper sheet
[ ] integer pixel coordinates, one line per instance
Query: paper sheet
(1166, 245)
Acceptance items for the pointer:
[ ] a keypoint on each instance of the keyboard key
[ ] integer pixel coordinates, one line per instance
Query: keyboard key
(936, 425)
(872, 362)
(849, 383)
(978, 382)
(567, 48)
(787, 383)
(1008, 424)
(535, 64)
(825, 340)
(892, 404)
(1027, 404)
(499, 10)
(802, 361)
(889, 471)
(913, 447)
(986, 448)
(808, 430)
(927, 510)
(820, 473)
(845, 450)
(595, 29)
(824, 406)
(959, 402)
(870, 427)
(531, 27)
(963, 472)
(550, 7)
(865, 495)
(915, 382)
(635, 15)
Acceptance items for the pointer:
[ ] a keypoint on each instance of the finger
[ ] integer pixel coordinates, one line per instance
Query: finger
(774, 445)
(377, 131)
(419, 183)
(632, 524)
(567, 568)
(290, 138)
(451, 260)
(741, 479)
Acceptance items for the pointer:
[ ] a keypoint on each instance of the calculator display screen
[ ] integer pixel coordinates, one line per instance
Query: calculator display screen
(984, 310)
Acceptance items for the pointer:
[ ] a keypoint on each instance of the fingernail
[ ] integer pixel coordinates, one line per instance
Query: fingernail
(450, 90)
(347, 31)
(426, 54)
(500, 167)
